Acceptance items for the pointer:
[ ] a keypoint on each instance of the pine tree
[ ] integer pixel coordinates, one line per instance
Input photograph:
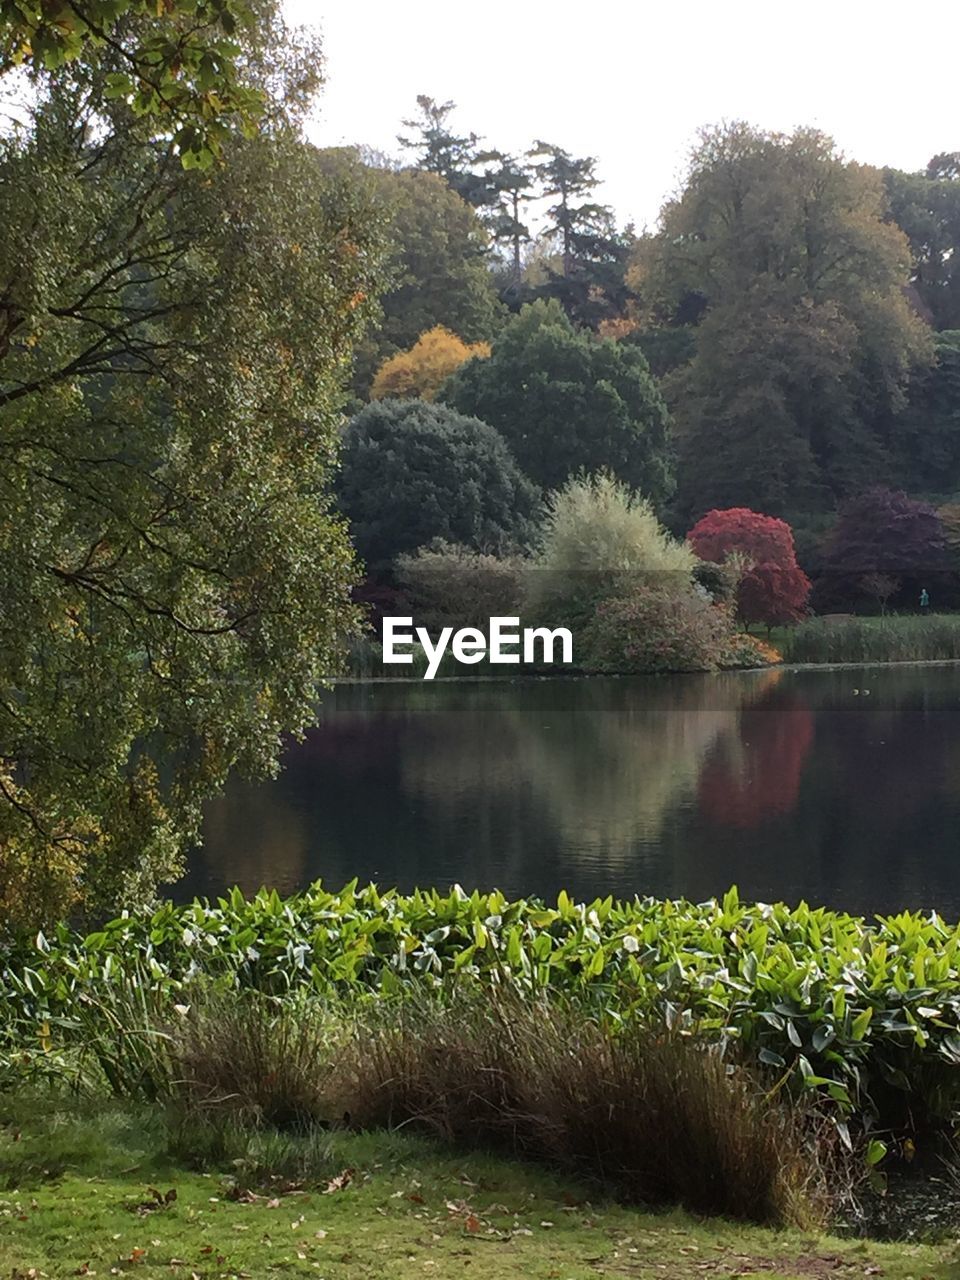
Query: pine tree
(437, 149)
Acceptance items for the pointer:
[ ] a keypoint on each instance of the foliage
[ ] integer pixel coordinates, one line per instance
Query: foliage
(421, 371)
(437, 267)
(655, 627)
(949, 516)
(565, 401)
(865, 1014)
(890, 639)
(175, 581)
(448, 585)
(925, 434)
(179, 64)
(413, 472)
(778, 255)
(927, 207)
(773, 589)
(745, 652)
(599, 538)
(590, 282)
(885, 532)
(436, 149)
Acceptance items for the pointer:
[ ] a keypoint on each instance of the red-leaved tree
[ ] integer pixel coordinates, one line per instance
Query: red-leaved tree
(774, 590)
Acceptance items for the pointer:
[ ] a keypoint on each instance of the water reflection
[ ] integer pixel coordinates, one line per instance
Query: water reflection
(788, 783)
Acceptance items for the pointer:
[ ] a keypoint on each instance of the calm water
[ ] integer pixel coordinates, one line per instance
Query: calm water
(789, 784)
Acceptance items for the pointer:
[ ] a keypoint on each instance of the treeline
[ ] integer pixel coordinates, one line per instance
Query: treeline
(784, 341)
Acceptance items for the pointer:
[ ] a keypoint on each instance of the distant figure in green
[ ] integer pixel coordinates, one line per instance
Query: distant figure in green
(924, 600)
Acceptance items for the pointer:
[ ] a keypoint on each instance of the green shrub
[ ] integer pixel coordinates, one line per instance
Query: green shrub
(601, 538)
(448, 585)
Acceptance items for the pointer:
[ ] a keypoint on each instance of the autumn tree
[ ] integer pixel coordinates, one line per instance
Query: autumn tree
(772, 588)
(778, 255)
(173, 577)
(414, 472)
(437, 267)
(882, 531)
(567, 401)
(422, 371)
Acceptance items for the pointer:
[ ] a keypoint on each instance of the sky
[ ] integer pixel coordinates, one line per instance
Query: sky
(631, 83)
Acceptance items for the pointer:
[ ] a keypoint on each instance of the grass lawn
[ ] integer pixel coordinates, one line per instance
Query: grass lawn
(90, 1195)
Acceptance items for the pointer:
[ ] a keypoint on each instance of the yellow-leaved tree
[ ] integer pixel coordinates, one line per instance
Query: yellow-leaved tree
(421, 371)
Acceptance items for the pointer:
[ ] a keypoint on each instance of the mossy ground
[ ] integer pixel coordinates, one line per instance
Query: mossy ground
(87, 1194)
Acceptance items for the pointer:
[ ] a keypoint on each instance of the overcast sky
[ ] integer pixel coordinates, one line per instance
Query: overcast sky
(631, 82)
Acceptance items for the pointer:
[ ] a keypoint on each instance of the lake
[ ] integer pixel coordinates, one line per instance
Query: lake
(838, 786)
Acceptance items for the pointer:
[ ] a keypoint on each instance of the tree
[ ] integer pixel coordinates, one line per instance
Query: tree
(883, 532)
(421, 371)
(925, 434)
(949, 516)
(778, 254)
(590, 283)
(445, 585)
(655, 627)
(608, 568)
(174, 579)
(437, 268)
(436, 149)
(567, 180)
(414, 472)
(927, 207)
(600, 538)
(177, 63)
(566, 401)
(510, 181)
(773, 589)
(880, 587)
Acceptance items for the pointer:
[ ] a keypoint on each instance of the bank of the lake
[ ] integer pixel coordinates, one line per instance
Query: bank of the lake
(87, 1195)
(754, 1061)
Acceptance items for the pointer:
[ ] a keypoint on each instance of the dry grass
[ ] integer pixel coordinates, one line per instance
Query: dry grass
(655, 1118)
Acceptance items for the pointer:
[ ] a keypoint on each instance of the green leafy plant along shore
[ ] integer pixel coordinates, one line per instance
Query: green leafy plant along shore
(865, 1014)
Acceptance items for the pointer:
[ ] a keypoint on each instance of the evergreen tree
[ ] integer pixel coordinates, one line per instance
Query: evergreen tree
(437, 149)
(576, 221)
(567, 401)
(414, 472)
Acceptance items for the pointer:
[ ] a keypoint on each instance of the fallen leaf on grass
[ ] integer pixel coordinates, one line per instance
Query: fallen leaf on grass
(340, 1182)
(160, 1200)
